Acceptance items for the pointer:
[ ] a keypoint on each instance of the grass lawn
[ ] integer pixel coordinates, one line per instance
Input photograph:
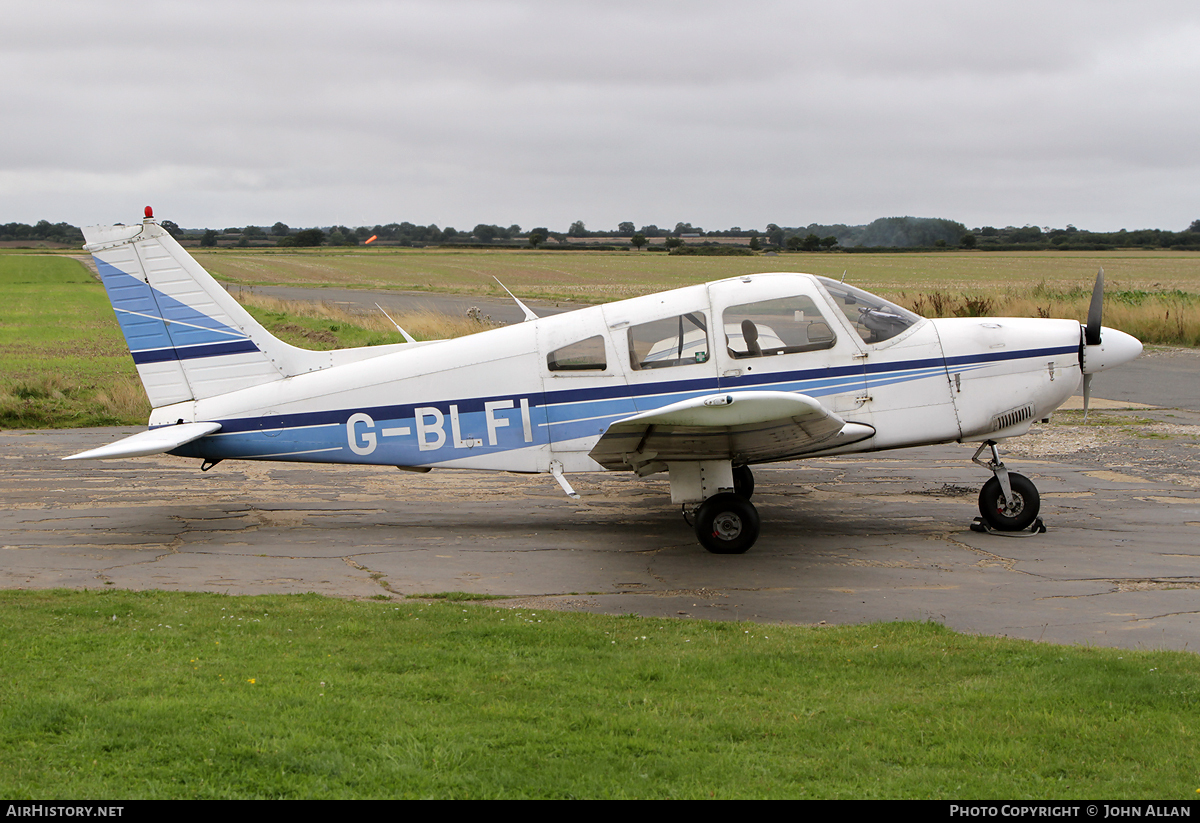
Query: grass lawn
(606, 276)
(119, 694)
(63, 359)
(1153, 295)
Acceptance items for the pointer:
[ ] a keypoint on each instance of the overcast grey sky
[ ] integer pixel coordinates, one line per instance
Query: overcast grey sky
(542, 112)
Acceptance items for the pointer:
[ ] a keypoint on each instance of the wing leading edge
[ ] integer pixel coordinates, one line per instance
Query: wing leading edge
(746, 427)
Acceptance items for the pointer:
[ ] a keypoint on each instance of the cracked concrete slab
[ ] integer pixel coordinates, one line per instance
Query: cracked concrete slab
(844, 541)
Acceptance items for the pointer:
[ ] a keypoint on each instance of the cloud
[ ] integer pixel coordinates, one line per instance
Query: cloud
(540, 112)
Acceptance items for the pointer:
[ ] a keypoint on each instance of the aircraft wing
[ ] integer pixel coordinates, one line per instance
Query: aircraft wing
(154, 441)
(748, 426)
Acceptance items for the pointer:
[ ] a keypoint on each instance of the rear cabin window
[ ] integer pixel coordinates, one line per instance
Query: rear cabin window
(781, 326)
(586, 355)
(672, 341)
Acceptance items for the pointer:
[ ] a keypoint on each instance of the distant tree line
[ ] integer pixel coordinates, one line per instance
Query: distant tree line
(1011, 238)
(42, 230)
(884, 233)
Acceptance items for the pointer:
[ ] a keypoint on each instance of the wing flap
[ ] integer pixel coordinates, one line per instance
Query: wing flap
(749, 427)
(154, 441)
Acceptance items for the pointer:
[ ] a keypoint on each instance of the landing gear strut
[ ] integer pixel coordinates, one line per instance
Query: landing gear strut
(743, 482)
(1009, 502)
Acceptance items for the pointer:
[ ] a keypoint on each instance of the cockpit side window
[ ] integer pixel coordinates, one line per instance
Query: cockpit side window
(874, 318)
(672, 341)
(585, 355)
(785, 325)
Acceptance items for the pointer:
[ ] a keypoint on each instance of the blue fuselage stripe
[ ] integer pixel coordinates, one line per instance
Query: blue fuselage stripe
(554, 416)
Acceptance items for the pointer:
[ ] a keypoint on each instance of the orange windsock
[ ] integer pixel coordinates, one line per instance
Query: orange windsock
(371, 239)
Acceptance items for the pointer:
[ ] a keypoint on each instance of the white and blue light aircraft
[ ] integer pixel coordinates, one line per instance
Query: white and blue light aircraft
(700, 382)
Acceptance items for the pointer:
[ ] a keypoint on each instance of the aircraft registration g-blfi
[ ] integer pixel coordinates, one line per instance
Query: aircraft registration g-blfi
(700, 382)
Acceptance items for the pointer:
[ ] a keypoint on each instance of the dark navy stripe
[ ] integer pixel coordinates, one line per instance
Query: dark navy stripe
(967, 359)
(799, 375)
(193, 352)
(623, 389)
(620, 390)
(791, 376)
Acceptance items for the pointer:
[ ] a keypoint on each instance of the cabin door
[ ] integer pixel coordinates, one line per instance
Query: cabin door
(779, 334)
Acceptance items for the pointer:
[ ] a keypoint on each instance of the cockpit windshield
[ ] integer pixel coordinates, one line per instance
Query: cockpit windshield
(874, 318)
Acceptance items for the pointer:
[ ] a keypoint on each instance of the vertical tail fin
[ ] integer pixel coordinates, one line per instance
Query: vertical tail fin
(189, 338)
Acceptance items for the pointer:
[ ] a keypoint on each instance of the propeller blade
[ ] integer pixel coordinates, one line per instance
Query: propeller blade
(1087, 394)
(1095, 310)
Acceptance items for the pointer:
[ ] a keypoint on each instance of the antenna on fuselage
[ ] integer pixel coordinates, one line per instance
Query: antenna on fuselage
(529, 315)
(408, 337)
(843, 280)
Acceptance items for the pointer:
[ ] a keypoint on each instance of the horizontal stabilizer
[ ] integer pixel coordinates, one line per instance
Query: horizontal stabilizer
(155, 441)
(749, 426)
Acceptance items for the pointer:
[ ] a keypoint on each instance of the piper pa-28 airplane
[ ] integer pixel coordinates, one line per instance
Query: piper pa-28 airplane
(700, 382)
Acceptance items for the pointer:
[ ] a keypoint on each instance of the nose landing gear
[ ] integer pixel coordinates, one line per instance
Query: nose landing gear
(1009, 502)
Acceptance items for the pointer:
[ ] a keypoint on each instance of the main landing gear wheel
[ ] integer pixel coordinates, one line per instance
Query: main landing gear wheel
(743, 482)
(727, 523)
(1019, 513)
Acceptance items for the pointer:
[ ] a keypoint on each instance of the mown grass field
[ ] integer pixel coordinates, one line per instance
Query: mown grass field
(63, 360)
(320, 326)
(1154, 296)
(167, 695)
(606, 276)
(64, 363)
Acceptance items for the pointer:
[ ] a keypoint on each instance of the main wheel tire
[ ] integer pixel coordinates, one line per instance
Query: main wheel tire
(727, 523)
(743, 482)
(1019, 513)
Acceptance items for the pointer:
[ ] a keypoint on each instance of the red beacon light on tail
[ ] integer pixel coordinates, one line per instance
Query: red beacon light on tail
(149, 212)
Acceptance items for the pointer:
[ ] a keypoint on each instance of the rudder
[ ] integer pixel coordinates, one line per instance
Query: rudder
(189, 338)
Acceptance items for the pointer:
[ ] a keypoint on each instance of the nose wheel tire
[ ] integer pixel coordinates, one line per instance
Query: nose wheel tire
(727, 523)
(1016, 515)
